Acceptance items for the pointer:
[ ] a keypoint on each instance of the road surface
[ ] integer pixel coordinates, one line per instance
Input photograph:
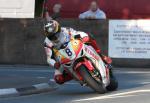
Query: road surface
(134, 87)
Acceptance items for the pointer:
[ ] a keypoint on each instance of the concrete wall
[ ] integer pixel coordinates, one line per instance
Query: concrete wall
(21, 41)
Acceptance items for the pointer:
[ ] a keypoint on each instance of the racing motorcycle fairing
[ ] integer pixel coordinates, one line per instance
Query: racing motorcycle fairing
(76, 50)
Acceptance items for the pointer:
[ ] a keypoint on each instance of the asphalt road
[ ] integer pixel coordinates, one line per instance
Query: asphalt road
(134, 87)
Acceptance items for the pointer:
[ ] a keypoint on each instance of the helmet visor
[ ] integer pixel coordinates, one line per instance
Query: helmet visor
(54, 37)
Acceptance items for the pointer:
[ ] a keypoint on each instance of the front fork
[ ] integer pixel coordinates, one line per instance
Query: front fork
(109, 66)
(94, 72)
(76, 68)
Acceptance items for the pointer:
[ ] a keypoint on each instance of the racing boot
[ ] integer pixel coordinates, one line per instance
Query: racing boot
(62, 78)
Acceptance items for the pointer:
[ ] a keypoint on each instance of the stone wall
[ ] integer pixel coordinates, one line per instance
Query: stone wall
(21, 41)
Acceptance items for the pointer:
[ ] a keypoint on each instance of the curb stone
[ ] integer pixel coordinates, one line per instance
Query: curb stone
(33, 89)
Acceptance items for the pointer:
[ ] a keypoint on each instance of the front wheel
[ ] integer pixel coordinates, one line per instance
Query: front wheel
(95, 85)
(113, 82)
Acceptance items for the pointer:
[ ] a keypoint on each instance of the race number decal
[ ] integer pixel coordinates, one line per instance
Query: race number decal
(69, 53)
(75, 43)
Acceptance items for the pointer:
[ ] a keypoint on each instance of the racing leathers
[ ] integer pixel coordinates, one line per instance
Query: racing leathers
(61, 75)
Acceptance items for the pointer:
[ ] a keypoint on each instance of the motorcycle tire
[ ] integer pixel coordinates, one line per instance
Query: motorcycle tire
(91, 82)
(113, 82)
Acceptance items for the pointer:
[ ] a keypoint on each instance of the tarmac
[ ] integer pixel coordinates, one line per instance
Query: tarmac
(15, 80)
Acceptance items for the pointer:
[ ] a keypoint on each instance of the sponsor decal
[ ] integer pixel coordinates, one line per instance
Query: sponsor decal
(91, 53)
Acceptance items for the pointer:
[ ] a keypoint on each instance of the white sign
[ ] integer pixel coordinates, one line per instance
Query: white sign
(17, 8)
(129, 39)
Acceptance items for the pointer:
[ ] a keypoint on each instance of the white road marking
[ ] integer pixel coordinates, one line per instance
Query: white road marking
(41, 86)
(145, 83)
(52, 80)
(8, 91)
(132, 72)
(69, 83)
(41, 77)
(25, 70)
(124, 94)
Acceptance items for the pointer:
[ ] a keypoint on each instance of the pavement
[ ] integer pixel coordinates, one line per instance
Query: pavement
(134, 86)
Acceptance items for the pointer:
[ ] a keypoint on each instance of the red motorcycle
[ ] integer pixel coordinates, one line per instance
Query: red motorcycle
(86, 66)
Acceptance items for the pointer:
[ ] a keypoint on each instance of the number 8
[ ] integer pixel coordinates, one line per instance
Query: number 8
(69, 53)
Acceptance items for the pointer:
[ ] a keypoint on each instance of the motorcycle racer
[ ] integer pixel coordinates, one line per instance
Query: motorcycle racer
(57, 37)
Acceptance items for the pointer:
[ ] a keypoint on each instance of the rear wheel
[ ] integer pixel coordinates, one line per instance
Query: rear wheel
(95, 85)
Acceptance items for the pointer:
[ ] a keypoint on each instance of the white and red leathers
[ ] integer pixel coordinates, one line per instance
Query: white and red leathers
(65, 35)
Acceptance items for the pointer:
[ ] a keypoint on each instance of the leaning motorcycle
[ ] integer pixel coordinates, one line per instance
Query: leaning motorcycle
(86, 66)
